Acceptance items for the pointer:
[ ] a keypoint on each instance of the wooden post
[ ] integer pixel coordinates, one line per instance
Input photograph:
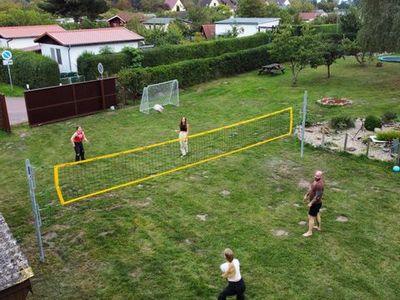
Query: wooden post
(345, 142)
(103, 97)
(368, 144)
(323, 140)
(4, 115)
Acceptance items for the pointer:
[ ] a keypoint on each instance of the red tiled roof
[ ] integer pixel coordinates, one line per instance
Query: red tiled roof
(127, 16)
(306, 16)
(27, 31)
(91, 36)
(208, 31)
(31, 48)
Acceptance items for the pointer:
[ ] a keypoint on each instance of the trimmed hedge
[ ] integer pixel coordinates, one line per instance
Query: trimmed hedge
(388, 135)
(114, 62)
(195, 71)
(31, 68)
(175, 53)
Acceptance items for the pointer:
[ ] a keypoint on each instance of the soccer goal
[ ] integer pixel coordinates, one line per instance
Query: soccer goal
(160, 94)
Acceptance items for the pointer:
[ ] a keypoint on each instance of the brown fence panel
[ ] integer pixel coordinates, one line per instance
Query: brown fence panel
(58, 103)
(4, 121)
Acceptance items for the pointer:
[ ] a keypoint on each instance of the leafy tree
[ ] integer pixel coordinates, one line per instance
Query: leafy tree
(152, 5)
(273, 10)
(199, 16)
(23, 17)
(380, 25)
(135, 56)
(350, 23)
(332, 51)
(300, 50)
(327, 5)
(297, 6)
(353, 48)
(75, 8)
(251, 8)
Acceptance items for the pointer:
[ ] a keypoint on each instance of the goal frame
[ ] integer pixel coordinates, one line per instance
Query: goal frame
(171, 97)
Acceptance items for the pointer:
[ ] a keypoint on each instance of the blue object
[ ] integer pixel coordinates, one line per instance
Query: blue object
(6, 55)
(396, 169)
(389, 58)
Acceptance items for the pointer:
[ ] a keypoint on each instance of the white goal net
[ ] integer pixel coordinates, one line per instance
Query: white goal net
(160, 93)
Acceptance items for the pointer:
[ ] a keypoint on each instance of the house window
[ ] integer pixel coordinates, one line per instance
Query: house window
(56, 55)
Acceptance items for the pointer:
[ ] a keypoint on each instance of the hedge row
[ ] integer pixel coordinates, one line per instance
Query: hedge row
(114, 62)
(195, 71)
(31, 68)
(175, 53)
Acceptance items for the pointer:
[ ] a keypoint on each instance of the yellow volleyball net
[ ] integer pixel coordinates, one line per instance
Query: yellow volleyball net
(76, 181)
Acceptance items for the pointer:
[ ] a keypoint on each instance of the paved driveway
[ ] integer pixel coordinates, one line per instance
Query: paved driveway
(16, 110)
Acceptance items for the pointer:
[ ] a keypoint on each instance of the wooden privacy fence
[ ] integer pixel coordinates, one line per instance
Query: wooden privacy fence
(4, 121)
(58, 103)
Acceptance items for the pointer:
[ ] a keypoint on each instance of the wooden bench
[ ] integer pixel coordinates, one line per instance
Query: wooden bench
(272, 69)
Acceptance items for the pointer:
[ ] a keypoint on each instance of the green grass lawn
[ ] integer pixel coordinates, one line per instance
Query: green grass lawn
(5, 89)
(146, 242)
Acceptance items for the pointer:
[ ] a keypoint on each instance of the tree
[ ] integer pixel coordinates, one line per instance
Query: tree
(380, 25)
(24, 17)
(251, 8)
(353, 48)
(300, 50)
(327, 5)
(350, 23)
(75, 8)
(332, 51)
(273, 10)
(297, 6)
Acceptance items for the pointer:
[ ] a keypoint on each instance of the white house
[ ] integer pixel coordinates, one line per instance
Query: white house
(20, 37)
(232, 4)
(245, 26)
(66, 47)
(161, 23)
(174, 5)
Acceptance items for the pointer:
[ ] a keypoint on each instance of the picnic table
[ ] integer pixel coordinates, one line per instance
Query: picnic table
(272, 69)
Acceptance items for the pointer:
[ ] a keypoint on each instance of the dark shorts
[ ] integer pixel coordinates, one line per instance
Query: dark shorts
(314, 209)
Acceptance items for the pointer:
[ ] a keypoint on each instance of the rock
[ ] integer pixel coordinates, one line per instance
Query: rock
(202, 217)
(225, 193)
(140, 186)
(189, 242)
(302, 223)
(280, 232)
(351, 149)
(296, 205)
(342, 219)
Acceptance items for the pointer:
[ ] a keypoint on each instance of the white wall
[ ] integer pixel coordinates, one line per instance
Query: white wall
(70, 56)
(244, 29)
(18, 43)
(161, 27)
(180, 5)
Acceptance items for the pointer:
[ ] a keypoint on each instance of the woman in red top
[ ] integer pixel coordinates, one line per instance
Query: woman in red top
(77, 142)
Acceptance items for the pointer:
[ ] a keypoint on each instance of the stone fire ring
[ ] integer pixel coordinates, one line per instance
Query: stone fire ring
(327, 101)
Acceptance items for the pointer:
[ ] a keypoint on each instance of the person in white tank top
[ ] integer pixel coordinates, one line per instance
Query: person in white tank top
(231, 272)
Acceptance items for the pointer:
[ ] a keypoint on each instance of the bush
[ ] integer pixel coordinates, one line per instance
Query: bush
(175, 53)
(194, 71)
(31, 68)
(388, 135)
(389, 117)
(372, 122)
(113, 63)
(341, 123)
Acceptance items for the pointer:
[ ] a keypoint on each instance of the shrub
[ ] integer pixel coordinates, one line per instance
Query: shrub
(372, 122)
(389, 117)
(194, 71)
(114, 62)
(33, 69)
(388, 135)
(341, 123)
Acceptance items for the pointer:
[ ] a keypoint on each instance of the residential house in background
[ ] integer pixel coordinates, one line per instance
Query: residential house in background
(232, 4)
(174, 5)
(311, 16)
(22, 37)
(245, 26)
(122, 18)
(208, 31)
(280, 3)
(161, 23)
(66, 47)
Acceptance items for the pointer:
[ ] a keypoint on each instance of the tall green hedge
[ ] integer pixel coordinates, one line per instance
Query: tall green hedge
(114, 62)
(194, 71)
(31, 68)
(175, 53)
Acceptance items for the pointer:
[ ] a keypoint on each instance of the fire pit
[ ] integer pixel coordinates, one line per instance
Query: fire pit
(328, 101)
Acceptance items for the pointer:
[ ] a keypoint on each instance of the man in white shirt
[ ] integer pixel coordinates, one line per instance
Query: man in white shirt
(231, 271)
